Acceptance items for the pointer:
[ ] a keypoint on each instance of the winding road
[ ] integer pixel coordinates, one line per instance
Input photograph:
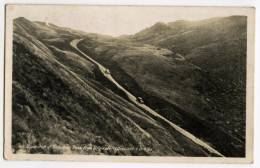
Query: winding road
(132, 98)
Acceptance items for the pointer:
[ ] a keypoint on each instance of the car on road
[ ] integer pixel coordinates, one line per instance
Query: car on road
(107, 71)
(140, 100)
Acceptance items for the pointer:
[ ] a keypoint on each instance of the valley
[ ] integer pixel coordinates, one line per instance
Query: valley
(77, 88)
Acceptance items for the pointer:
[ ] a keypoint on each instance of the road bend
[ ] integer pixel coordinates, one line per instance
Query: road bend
(132, 98)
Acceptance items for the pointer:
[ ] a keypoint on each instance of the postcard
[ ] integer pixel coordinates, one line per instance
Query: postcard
(129, 83)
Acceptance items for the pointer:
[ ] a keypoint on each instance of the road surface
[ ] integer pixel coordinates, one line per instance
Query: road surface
(132, 98)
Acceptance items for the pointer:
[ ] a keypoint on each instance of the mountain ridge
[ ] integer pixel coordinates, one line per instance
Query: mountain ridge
(126, 57)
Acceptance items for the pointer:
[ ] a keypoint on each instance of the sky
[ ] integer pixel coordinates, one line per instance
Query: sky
(115, 20)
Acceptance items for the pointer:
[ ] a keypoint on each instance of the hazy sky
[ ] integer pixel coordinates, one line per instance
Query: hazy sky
(117, 20)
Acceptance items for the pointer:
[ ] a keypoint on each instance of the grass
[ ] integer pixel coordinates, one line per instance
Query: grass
(61, 99)
(143, 72)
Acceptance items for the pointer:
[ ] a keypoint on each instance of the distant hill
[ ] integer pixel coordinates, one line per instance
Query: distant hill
(183, 36)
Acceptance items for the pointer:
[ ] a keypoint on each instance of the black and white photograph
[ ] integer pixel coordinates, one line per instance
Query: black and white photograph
(143, 82)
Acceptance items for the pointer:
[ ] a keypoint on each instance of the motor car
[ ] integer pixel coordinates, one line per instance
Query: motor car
(140, 100)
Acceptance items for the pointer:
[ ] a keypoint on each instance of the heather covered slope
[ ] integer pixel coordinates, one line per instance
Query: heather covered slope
(59, 99)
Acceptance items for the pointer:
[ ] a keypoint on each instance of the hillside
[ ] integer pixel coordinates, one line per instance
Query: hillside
(62, 101)
(217, 46)
(192, 73)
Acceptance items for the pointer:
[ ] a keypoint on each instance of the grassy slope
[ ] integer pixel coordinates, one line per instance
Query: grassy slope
(218, 46)
(57, 100)
(197, 100)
